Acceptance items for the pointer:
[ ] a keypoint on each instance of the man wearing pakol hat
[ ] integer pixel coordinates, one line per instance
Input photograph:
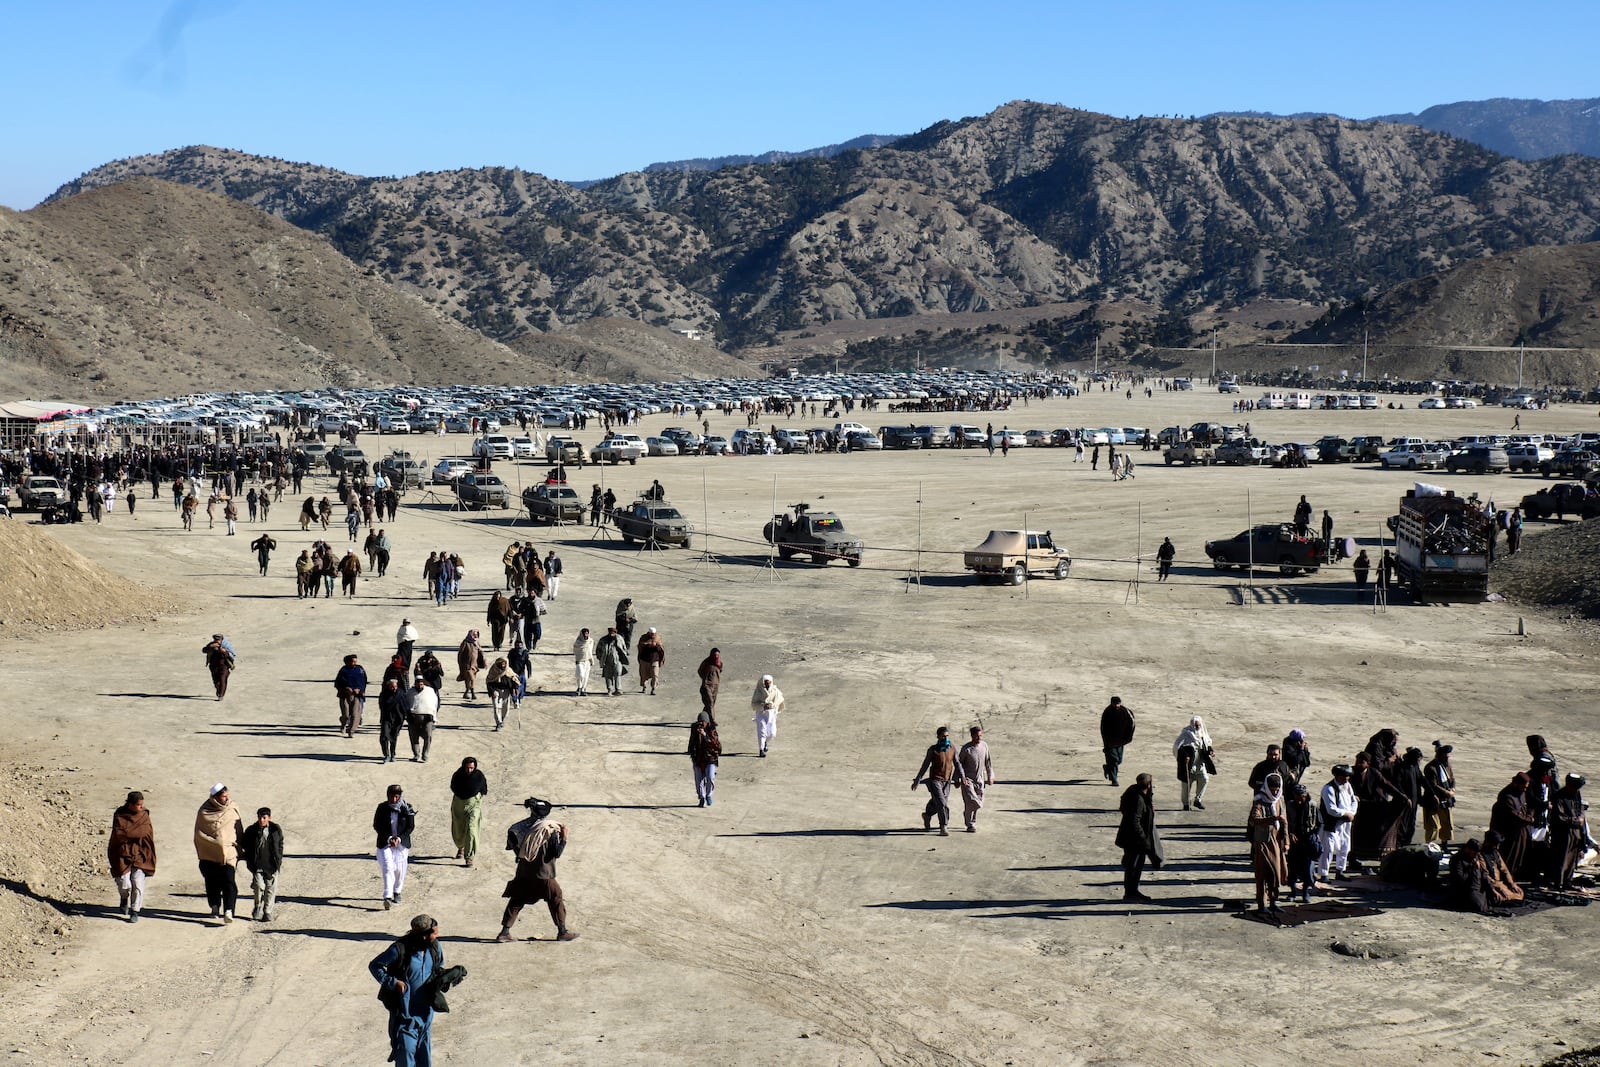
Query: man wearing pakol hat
(131, 851)
(411, 974)
(538, 842)
(393, 822)
(1438, 797)
(766, 702)
(217, 829)
(1569, 831)
(1338, 812)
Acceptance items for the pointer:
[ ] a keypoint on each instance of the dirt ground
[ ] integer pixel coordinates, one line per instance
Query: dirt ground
(807, 918)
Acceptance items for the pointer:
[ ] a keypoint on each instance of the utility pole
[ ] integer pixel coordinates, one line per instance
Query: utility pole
(1213, 355)
(1363, 355)
(1520, 346)
(1097, 353)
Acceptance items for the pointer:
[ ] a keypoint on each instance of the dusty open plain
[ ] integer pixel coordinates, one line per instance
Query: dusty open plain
(807, 918)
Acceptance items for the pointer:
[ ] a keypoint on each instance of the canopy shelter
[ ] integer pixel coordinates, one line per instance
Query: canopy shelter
(20, 420)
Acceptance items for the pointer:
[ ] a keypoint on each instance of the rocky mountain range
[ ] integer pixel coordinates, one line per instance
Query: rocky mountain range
(146, 288)
(1524, 129)
(1076, 215)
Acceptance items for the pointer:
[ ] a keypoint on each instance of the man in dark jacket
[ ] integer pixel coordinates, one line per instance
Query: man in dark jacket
(1439, 797)
(1116, 731)
(393, 701)
(392, 824)
(705, 749)
(262, 851)
(1138, 837)
(1569, 831)
(351, 684)
(1273, 764)
(538, 843)
(938, 770)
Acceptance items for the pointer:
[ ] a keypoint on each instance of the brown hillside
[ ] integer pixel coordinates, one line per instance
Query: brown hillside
(148, 288)
(1545, 297)
(50, 586)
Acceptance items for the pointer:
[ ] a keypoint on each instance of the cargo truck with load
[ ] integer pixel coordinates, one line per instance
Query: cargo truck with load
(1442, 546)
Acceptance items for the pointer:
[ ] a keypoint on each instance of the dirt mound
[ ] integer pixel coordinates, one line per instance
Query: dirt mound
(1557, 568)
(51, 587)
(51, 853)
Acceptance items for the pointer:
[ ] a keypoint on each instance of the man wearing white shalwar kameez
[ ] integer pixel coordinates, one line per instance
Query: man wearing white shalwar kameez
(975, 771)
(766, 702)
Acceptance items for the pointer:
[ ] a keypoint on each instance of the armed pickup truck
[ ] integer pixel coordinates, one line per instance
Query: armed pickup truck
(819, 534)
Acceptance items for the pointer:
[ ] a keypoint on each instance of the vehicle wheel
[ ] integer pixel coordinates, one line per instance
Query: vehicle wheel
(688, 543)
(854, 561)
(1062, 566)
(785, 552)
(634, 462)
(819, 559)
(1019, 574)
(1287, 568)
(1411, 464)
(1221, 565)
(627, 539)
(1169, 461)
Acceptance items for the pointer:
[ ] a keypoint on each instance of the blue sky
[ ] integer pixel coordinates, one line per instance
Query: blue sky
(590, 90)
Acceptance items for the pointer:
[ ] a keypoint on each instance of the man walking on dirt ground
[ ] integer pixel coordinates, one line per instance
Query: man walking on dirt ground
(217, 828)
(975, 772)
(262, 849)
(406, 972)
(1116, 732)
(132, 853)
(939, 766)
(220, 659)
(539, 843)
(351, 684)
(1138, 837)
(710, 672)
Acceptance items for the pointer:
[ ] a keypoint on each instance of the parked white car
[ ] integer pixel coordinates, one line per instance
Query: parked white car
(1414, 457)
(661, 446)
(494, 445)
(447, 470)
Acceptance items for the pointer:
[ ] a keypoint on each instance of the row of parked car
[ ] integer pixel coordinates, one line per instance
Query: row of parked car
(1479, 454)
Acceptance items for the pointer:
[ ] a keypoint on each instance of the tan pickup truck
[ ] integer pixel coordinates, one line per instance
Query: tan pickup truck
(1014, 555)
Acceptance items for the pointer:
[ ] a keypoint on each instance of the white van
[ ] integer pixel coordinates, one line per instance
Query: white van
(1299, 401)
(1272, 401)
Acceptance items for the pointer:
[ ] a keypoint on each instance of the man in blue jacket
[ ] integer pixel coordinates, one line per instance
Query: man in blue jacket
(351, 682)
(403, 971)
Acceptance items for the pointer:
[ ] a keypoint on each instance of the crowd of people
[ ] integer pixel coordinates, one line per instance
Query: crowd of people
(1303, 836)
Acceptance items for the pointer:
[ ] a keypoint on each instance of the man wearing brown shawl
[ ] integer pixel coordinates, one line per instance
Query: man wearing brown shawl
(1269, 843)
(132, 853)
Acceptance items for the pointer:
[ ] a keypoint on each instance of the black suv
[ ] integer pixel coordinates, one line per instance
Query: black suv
(1479, 459)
